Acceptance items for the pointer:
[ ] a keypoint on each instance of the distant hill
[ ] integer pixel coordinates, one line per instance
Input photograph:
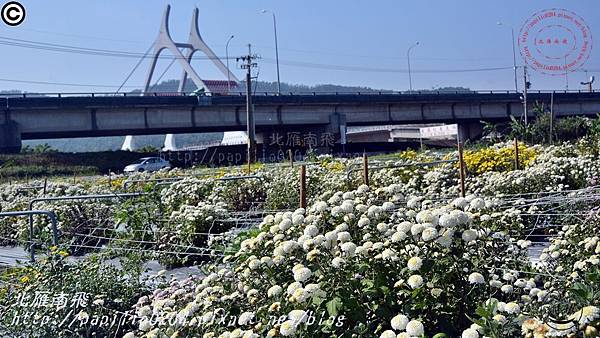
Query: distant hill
(271, 87)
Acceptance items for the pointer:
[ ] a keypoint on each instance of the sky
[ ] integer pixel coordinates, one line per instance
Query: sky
(358, 42)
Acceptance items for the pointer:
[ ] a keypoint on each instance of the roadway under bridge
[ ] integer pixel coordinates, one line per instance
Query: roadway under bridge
(27, 117)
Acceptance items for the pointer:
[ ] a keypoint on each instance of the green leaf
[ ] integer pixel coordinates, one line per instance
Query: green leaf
(334, 306)
(440, 335)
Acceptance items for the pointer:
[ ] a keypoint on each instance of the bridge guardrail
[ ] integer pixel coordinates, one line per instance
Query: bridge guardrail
(267, 93)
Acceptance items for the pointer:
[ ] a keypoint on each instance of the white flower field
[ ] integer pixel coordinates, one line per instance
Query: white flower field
(404, 256)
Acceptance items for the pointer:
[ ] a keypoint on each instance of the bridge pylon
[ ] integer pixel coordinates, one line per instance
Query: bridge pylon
(195, 43)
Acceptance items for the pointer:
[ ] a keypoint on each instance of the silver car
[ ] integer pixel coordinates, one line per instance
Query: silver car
(148, 164)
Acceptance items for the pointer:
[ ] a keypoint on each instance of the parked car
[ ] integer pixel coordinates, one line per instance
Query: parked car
(148, 164)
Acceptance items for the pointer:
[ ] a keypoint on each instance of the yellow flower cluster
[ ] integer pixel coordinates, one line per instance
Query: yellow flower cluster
(335, 166)
(408, 154)
(484, 160)
(414, 155)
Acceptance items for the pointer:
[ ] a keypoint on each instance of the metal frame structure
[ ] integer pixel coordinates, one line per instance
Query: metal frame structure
(53, 217)
(30, 213)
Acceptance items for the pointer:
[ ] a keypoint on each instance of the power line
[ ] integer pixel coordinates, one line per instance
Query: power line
(134, 68)
(115, 53)
(63, 83)
(80, 50)
(380, 70)
(79, 36)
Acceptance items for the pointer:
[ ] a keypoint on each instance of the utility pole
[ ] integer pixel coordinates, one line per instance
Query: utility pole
(526, 84)
(566, 75)
(551, 115)
(512, 30)
(248, 64)
(408, 60)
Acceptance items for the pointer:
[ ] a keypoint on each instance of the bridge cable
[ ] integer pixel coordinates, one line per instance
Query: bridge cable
(164, 72)
(134, 68)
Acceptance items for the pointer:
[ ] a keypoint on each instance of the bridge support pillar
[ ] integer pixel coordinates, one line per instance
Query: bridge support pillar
(10, 137)
(470, 130)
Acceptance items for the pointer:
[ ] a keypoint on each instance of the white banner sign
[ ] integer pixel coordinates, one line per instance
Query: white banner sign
(447, 130)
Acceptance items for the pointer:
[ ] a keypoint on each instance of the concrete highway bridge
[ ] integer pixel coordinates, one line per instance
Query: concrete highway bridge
(31, 116)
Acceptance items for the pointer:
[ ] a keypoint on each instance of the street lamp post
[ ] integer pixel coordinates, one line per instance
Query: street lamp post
(276, 49)
(227, 60)
(408, 59)
(512, 31)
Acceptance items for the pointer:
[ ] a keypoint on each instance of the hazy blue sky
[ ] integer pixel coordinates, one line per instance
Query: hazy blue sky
(357, 33)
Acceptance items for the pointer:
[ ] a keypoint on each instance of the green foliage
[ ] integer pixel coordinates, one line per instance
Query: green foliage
(38, 149)
(108, 291)
(149, 149)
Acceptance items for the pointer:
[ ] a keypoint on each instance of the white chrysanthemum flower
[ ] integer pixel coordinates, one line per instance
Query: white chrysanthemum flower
(389, 254)
(145, 325)
(415, 263)
(404, 226)
(292, 287)
(302, 274)
(347, 206)
(342, 227)
(245, 318)
(413, 202)
(469, 235)
(253, 264)
(274, 291)
(336, 211)
(129, 335)
(348, 248)
(495, 283)
(382, 227)
(477, 204)
(320, 206)
(416, 229)
(470, 333)
(289, 246)
(415, 281)
(398, 236)
(287, 328)
(311, 230)
(476, 278)
(337, 262)
(285, 224)
(447, 221)
(500, 319)
(362, 189)
(460, 202)
(415, 328)
(344, 236)
(388, 206)
(297, 316)
(512, 308)
(461, 216)
(444, 240)
(477, 328)
(388, 334)
(436, 292)
(300, 295)
(363, 222)
(506, 288)
(297, 219)
(399, 322)
(429, 234)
